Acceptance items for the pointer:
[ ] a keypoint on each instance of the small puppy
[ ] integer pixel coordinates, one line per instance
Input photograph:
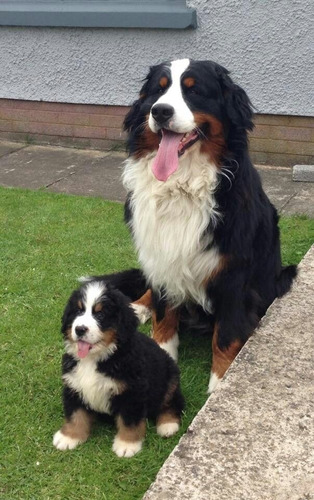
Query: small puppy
(110, 368)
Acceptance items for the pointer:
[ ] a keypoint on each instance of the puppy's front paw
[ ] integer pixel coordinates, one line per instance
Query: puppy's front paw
(126, 448)
(62, 442)
(167, 429)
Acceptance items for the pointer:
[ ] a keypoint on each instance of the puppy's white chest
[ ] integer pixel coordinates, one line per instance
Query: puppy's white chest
(95, 389)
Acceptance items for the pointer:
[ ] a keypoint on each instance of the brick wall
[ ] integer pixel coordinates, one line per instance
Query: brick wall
(80, 125)
(278, 140)
(283, 140)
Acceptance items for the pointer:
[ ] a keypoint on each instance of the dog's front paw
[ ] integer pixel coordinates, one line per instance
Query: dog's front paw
(142, 312)
(126, 448)
(171, 347)
(213, 383)
(62, 442)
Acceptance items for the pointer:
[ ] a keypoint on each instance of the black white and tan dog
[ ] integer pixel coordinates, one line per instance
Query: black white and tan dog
(205, 232)
(110, 368)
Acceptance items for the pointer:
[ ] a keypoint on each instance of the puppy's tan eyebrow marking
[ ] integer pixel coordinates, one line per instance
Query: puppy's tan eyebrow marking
(98, 307)
(189, 82)
(80, 305)
(163, 82)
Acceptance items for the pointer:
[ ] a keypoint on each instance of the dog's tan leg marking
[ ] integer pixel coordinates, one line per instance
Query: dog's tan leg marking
(222, 359)
(143, 306)
(165, 331)
(129, 439)
(146, 299)
(75, 430)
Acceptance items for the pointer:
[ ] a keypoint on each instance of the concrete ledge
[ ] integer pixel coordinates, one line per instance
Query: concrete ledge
(253, 439)
(303, 173)
(98, 14)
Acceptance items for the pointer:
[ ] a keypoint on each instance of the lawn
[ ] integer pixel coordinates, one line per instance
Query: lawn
(47, 241)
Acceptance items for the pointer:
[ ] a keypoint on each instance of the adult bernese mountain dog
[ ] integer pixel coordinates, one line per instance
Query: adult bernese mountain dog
(111, 369)
(205, 231)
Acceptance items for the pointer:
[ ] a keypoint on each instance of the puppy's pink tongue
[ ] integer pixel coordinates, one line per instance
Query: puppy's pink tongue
(167, 161)
(83, 348)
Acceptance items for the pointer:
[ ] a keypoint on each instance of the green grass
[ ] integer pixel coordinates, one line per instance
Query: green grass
(47, 241)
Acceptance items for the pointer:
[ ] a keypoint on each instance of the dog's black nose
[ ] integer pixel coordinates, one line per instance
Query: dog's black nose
(162, 113)
(80, 330)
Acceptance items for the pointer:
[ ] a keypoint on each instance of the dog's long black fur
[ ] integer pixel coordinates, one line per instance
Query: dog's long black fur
(246, 233)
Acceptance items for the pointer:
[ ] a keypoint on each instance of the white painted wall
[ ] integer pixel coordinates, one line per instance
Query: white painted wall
(266, 44)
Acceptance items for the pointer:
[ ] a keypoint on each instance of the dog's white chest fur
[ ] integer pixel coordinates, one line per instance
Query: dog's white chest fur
(169, 223)
(95, 389)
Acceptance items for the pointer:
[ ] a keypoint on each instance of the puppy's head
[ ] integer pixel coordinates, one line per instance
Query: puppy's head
(184, 105)
(97, 320)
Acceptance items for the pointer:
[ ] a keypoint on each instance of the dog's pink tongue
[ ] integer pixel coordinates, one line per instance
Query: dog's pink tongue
(167, 160)
(83, 348)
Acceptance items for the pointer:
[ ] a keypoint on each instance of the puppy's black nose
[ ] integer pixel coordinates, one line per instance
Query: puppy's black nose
(162, 113)
(80, 330)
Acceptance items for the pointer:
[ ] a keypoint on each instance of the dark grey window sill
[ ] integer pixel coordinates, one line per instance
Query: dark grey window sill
(98, 14)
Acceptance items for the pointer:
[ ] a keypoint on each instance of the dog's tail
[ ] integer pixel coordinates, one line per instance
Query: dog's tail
(285, 279)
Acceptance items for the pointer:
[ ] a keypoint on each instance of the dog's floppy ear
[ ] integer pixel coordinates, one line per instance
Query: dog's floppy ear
(130, 121)
(237, 104)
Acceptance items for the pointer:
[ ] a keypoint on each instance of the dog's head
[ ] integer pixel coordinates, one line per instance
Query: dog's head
(97, 320)
(185, 103)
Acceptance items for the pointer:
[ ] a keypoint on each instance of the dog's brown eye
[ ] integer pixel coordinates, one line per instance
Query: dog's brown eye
(189, 82)
(98, 308)
(163, 82)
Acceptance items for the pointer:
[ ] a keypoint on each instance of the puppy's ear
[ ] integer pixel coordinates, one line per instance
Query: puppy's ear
(70, 309)
(65, 317)
(237, 104)
(127, 320)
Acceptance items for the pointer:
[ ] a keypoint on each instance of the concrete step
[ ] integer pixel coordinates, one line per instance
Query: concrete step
(303, 173)
(98, 173)
(253, 439)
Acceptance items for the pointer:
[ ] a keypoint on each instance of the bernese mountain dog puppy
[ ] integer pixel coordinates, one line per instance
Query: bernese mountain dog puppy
(205, 231)
(110, 368)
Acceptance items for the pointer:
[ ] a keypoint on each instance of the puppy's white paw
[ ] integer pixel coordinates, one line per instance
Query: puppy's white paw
(126, 449)
(62, 442)
(213, 382)
(167, 429)
(142, 312)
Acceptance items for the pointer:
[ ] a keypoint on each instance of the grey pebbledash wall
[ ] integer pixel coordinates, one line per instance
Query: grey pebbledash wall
(265, 43)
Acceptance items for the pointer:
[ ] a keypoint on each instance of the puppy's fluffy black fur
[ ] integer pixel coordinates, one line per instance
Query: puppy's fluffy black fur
(111, 368)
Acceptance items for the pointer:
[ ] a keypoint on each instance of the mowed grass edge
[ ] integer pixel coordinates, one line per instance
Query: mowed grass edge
(47, 241)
